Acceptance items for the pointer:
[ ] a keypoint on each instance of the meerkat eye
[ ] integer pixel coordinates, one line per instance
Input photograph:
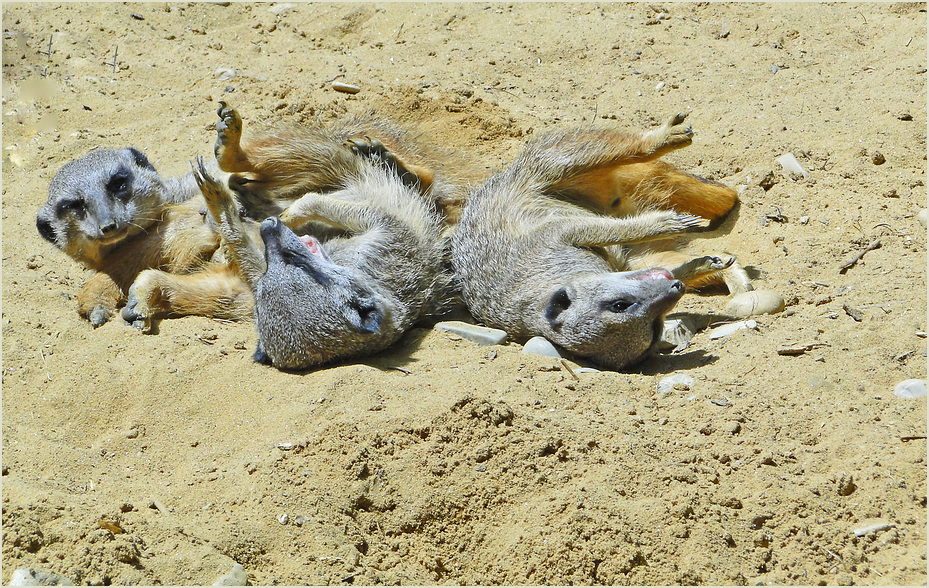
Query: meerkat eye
(119, 184)
(76, 207)
(619, 306)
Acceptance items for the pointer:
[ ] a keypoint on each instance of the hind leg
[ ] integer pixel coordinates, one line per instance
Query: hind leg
(98, 299)
(216, 292)
(658, 184)
(228, 148)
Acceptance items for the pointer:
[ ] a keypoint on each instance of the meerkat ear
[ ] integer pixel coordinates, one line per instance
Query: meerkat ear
(557, 304)
(365, 316)
(140, 158)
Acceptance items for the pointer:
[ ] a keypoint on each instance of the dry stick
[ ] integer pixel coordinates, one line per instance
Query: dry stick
(570, 371)
(47, 374)
(851, 262)
(115, 53)
(49, 52)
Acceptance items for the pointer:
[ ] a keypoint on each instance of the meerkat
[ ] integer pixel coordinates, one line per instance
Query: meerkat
(320, 301)
(536, 253)
(113, 212)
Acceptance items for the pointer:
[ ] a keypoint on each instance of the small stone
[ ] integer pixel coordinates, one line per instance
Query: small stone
(872, 527)
(475, 333)
(541, 346)
(279, 9)
(804, 220)
(877, 158)
(791, 165)
(754, 303)
(345, 88)
(911, 389)
(846, 485)
(283, 518)
(37, 577)
(726, 330)
(676, 335)
(236, 577)
(923, 217)
(299, 520)
(225, 74)
(675, 382)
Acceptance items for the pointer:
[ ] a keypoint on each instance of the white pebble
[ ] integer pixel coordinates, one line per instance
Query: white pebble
(675, 381)
(676, 334)
(236, 577)
(754, 303)
(873, 528)
(790, 164)
(726, 330)
(225, 73)
(923, 217)
(283, 518)
(280, 8)
(476, 333)
(540, 346)
(911, 389)
(346, 88)
(37, 577)
(659, 86)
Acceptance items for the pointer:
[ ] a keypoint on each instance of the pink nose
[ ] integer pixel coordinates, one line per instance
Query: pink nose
(654, 273)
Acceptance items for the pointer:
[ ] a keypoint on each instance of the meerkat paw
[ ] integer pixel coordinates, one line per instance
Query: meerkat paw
(100, 315)
(216, 195)
(701, 266)
(679, 223)
(228, 138)
(374, 149)
(673, 134)
(137, 311)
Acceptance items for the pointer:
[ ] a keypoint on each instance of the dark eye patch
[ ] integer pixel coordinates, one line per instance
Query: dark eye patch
(74, 206)
(299, 261)
(119, 183)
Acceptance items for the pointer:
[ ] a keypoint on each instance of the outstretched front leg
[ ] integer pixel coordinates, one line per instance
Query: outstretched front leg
(597, 231)
(216, 291)
(707, 270)
(245, 255)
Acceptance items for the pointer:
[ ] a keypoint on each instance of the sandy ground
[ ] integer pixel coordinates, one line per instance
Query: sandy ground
(165, 459)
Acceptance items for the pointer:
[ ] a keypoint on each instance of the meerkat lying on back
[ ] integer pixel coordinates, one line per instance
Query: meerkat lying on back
(533, 257)
(321, 300)
(153, 245)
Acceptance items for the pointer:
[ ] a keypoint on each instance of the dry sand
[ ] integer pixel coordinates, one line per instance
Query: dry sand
(480, 465)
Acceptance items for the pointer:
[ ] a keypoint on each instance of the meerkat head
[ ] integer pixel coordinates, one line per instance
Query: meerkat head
(614, 319)
(101, 199)
(309, 310)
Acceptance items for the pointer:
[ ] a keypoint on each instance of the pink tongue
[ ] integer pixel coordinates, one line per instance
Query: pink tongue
(654, 274)
(313, 245)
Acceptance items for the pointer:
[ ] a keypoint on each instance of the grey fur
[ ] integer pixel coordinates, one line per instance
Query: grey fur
(387, 272)
(533, 264)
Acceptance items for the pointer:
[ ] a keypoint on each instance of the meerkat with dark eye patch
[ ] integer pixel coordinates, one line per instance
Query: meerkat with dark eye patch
(113, 212)
(537, 255)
